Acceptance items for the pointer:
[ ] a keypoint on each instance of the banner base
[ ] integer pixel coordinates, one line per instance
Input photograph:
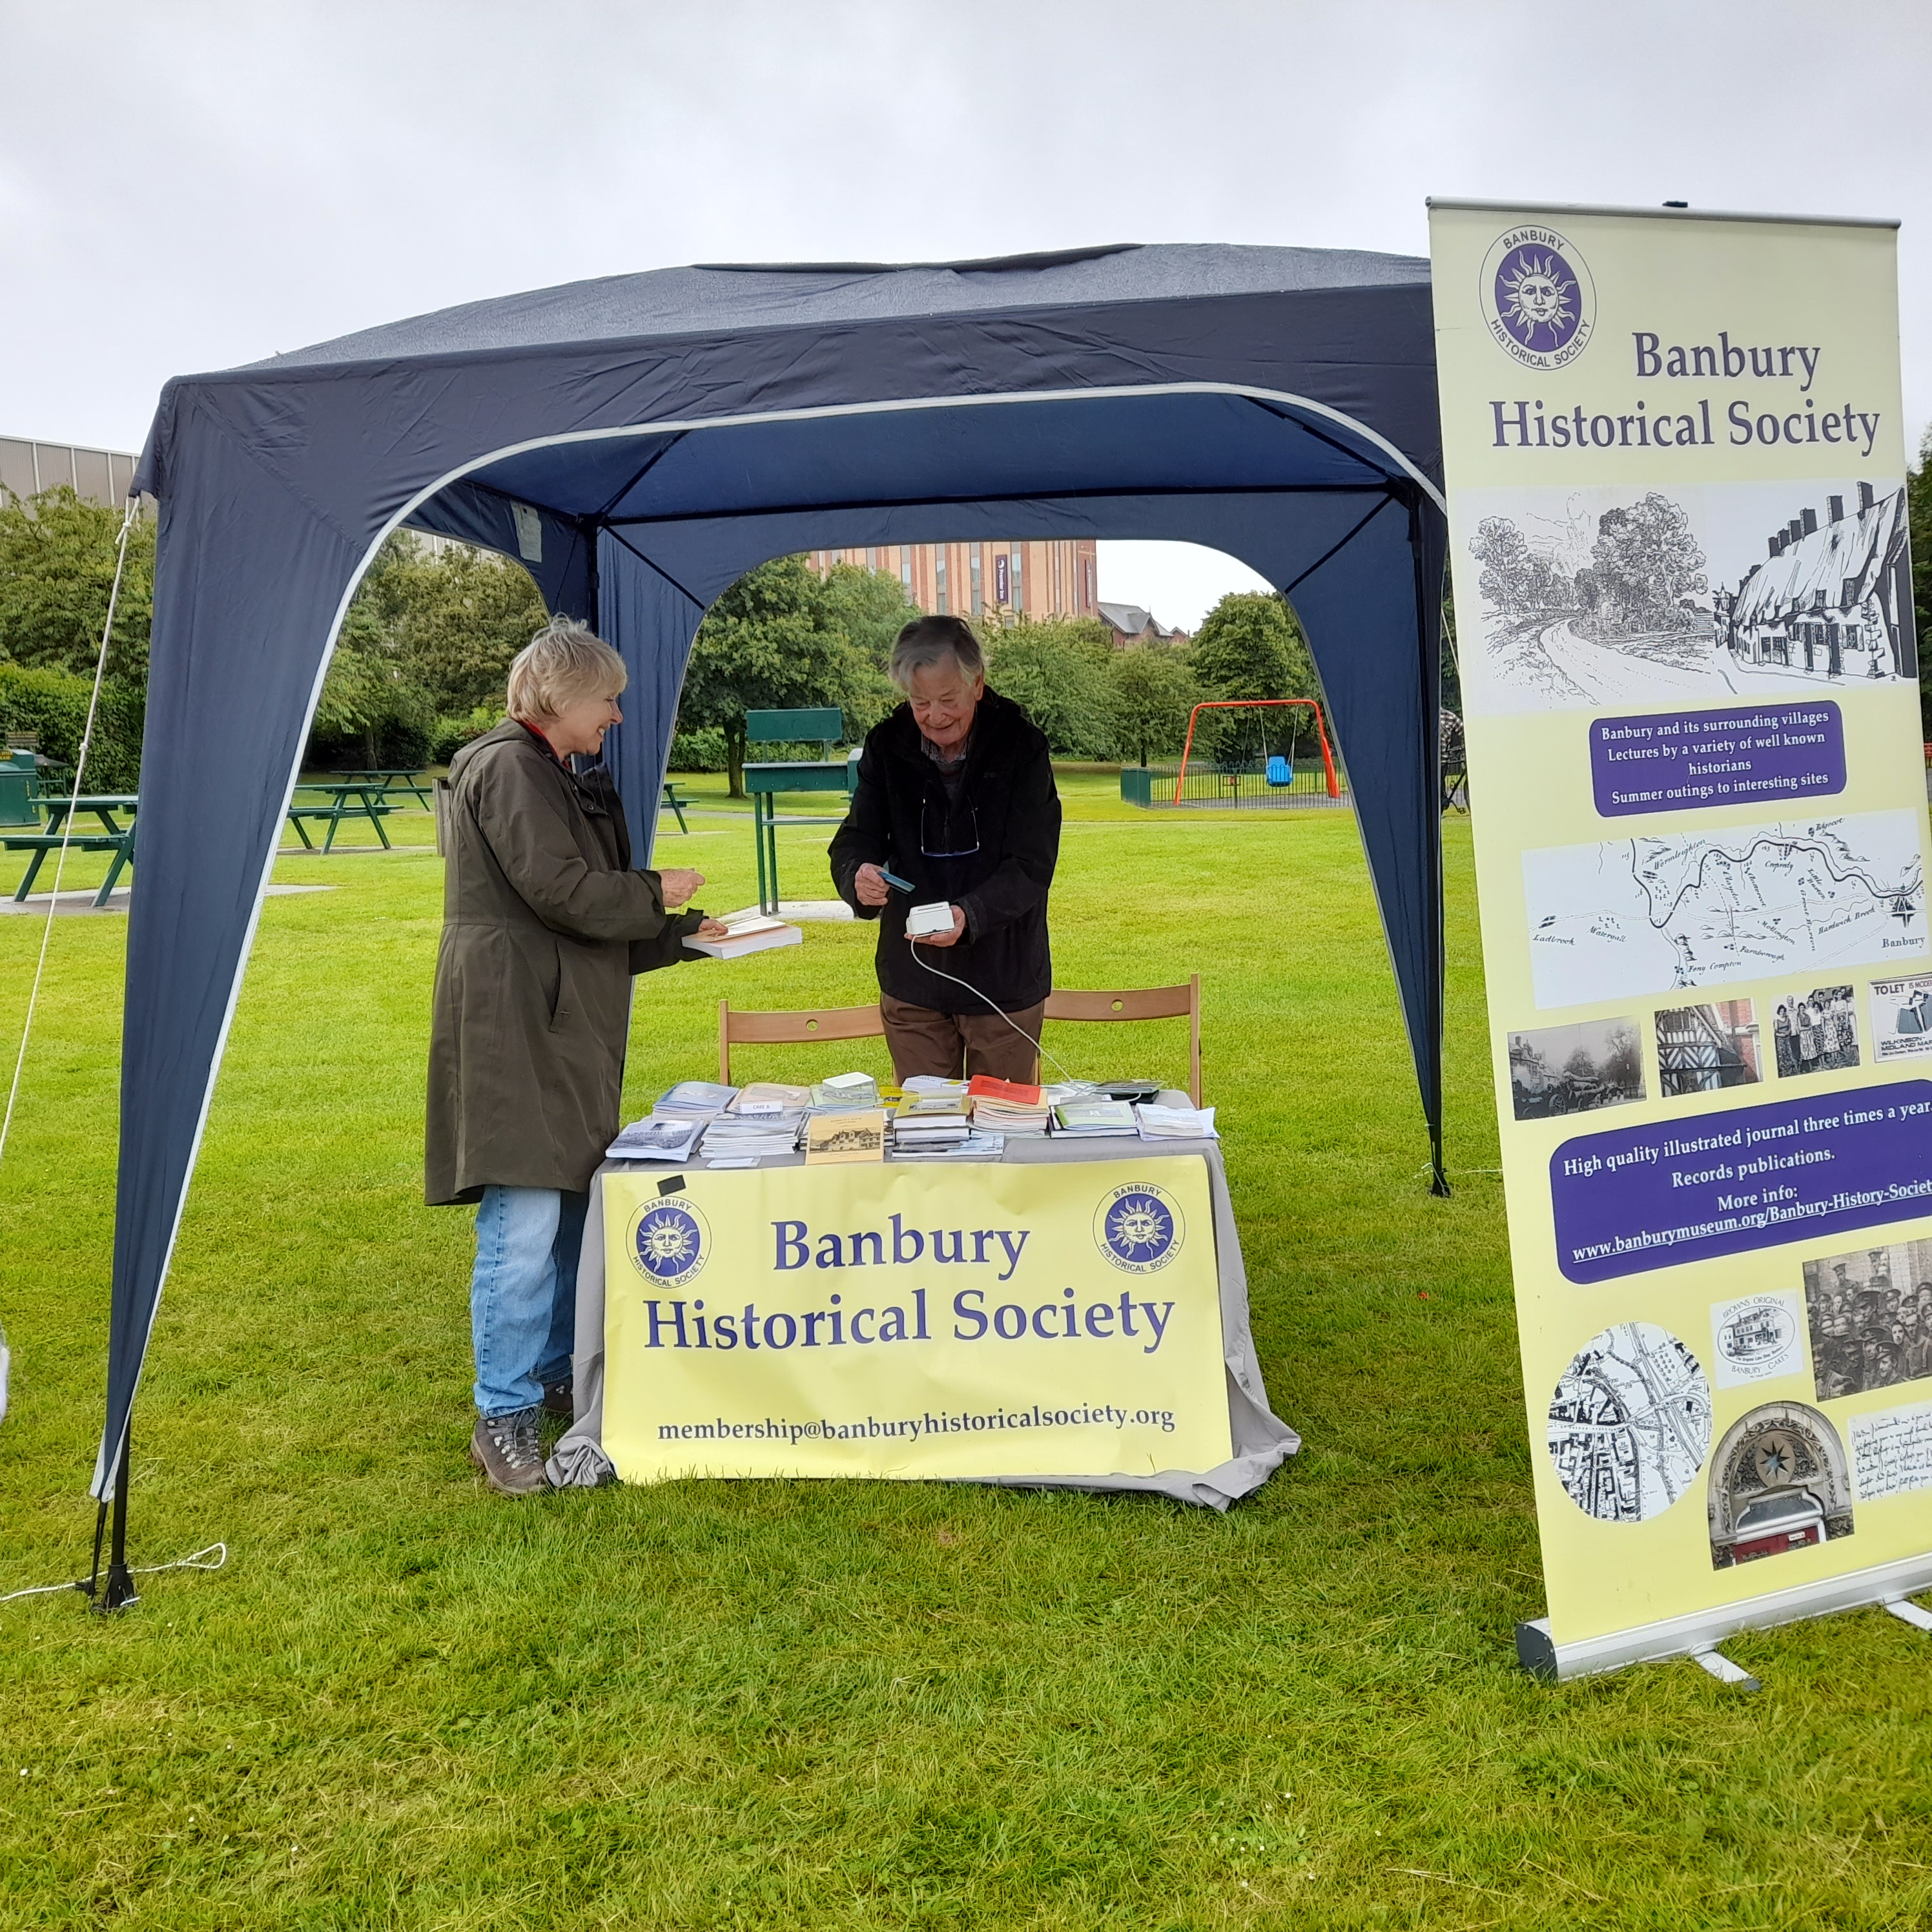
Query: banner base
(1889, 1584)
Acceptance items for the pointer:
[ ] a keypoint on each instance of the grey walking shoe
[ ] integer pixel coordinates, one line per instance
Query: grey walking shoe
(557, 1400)
(504, 1448)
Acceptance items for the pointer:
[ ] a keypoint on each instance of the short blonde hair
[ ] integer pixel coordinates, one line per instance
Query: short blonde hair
(565, 661)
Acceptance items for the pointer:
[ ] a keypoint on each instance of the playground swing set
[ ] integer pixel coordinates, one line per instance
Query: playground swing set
(1261, 768)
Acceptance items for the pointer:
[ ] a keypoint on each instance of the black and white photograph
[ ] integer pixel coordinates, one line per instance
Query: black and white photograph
(1573, 1069)
(1901, 1019)
(1870, 1313)
(1815, 1032)
(1618, 597)
(1705, 1049)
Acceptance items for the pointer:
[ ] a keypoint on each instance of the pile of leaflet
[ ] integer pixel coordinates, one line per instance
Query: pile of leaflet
(1005, 1107)
(695, 1099)
(1176, 1122)
(1094, 1118)
(661, 1137)
(752, 1137)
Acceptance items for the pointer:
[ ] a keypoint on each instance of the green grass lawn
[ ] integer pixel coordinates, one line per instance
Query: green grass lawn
(407, 1703)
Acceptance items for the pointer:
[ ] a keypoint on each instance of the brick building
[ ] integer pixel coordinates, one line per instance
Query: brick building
(1058, 579)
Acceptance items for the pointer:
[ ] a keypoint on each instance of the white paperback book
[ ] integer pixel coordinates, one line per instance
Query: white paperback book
(747, 936)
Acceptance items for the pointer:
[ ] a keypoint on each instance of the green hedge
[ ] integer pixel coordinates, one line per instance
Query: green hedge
(52, 706)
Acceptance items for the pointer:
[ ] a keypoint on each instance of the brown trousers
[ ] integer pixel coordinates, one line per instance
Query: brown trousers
(923, 1041)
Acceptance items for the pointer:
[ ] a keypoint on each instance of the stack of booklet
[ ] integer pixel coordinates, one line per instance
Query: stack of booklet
(844, 1091)
(695, 1099)
(741, 1137)
(1095, 1119)
(661, 1137)
(1181, 1123)
(974, 1146)
(931, 1121)
(1005, 1107)
(770, 1096)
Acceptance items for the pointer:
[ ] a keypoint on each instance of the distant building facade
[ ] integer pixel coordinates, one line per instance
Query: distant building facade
(96, 475)
(1058, 579)
(1131, 625)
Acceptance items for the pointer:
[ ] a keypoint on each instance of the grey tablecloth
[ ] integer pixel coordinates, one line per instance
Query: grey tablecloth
(1262, 1441)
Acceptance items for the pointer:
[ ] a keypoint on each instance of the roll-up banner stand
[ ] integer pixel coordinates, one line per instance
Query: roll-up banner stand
(1676, 470)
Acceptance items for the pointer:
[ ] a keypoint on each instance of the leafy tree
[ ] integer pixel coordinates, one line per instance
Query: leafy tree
(772, 642)
(451, 620)
(1645, 566)
(1623, 1058)
(870, 606)
(1250, 645)
(368, 696)
(57, 558)
(1150, 694)
(1518, 582)
(1057, 670)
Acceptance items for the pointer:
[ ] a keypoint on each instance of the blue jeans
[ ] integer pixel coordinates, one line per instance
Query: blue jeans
(522, 1297)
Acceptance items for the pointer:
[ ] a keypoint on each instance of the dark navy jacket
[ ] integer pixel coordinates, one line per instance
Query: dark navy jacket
(1007, 807)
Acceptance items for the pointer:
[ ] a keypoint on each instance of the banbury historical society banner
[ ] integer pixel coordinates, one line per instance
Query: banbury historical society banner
(1684, 608)
(875, 1320)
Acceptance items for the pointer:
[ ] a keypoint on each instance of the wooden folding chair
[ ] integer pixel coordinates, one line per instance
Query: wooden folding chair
(1147, 1003)
(792, 1029)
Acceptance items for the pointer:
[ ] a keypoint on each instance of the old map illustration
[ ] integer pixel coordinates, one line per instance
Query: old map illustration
(1630, 1423)
(1654, 914)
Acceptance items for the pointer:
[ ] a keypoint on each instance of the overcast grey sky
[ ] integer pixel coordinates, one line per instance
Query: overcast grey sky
(184, 187)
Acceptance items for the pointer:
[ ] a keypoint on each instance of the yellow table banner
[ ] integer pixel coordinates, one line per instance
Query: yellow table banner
(979, 1321)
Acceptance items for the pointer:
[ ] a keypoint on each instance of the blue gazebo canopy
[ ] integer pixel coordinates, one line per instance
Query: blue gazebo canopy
(641, 441)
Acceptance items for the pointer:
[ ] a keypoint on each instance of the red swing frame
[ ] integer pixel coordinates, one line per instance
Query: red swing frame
(1245, 704)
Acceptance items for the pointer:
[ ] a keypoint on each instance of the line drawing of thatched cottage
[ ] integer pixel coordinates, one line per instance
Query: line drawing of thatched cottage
(1833, 599)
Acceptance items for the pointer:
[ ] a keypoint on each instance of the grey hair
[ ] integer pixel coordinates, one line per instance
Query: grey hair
(928, 641)
(565, 661)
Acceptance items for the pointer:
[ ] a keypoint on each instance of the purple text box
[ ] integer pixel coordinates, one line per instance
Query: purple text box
(1690, 760)
(1681, 1191)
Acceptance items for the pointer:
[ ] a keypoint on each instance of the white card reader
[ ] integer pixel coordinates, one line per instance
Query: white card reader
(924, 920)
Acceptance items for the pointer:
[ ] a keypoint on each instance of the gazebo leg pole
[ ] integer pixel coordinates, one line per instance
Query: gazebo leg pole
(119, 1590)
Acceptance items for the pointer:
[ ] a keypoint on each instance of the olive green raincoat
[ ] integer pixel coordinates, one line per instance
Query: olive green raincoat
(544, 924)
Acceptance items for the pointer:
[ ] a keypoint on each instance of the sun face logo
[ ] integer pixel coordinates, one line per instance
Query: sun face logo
(1537, 298)
(670, 1241)
(1139, 1228)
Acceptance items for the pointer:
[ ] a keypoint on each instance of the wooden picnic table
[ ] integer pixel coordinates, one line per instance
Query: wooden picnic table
(348, 798)
(117, 838)
(394, 777)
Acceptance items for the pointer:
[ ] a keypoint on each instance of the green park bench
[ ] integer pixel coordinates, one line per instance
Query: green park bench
(820, 724)
(676, 804)
(357, 799)
(116, 839)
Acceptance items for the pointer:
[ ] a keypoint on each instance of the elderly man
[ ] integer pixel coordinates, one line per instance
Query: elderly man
(544, 922)
(955, 797)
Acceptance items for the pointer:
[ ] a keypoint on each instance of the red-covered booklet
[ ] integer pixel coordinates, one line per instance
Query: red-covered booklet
(984, 1087)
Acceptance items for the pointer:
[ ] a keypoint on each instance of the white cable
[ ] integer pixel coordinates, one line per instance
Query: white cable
(1036, 1045)
(193, 1561)
(67, 829)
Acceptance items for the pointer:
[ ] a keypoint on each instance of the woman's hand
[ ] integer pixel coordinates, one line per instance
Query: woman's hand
(952, 938)
(711, 928)
(868, 882)
(679, 883)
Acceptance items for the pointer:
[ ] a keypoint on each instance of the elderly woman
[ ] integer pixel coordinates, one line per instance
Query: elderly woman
(955, 796)
(544, 922)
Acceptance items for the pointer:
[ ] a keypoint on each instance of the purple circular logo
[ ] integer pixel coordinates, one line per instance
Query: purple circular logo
(1537, 298)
